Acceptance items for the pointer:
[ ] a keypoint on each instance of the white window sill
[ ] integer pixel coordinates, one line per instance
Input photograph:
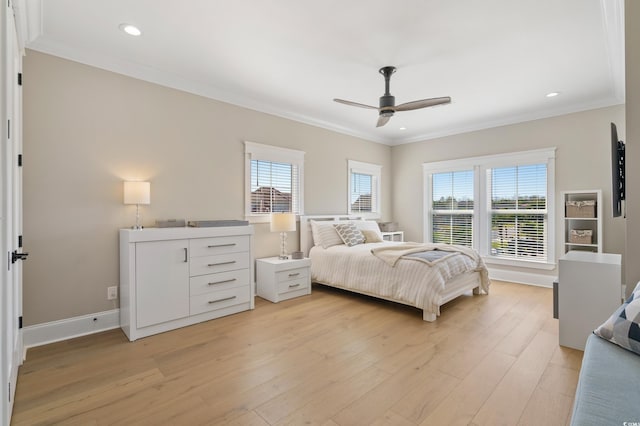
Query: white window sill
(489, 260)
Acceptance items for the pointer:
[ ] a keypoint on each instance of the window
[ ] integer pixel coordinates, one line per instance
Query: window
(498, 205)
(274, 180)
(519, 212)
(364, 188)
(452, 208)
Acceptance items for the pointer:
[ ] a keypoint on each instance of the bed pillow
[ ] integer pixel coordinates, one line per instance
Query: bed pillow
(370, 225)
(324, 234)
(371, 236)
(349, 233)
(623, 327)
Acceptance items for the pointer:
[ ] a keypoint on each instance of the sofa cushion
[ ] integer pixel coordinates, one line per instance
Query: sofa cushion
(609, 385)
(623, 327)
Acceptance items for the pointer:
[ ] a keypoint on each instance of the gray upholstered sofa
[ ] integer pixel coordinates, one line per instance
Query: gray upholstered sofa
(608, 390)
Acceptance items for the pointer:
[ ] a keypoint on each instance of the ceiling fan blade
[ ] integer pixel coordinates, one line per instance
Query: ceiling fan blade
(423, 103)
(382, 120)
(342, 101)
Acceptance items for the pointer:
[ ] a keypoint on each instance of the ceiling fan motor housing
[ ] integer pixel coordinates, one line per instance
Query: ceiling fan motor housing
(386, 105)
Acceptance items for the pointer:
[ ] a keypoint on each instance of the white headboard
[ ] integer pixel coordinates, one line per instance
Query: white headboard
(306, 239)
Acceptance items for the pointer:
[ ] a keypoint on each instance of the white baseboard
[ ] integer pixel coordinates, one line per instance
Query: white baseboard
(538, 280)
(55, 331)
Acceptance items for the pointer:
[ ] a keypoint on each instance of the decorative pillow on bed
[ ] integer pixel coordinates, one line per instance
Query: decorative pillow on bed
(623, 328)
(371, 236)
(349, 233)
(324, 234)
(369, 225)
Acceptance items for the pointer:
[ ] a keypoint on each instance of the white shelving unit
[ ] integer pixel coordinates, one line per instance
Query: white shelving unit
(393, 236)
(576, 222)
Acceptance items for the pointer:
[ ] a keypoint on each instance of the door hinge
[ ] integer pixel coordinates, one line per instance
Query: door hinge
(19, 241)
(19, 79)
(19, 160)
(20, 322)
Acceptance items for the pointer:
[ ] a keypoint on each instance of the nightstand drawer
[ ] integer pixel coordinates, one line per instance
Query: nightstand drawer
(220, 263)
(219, 299)
(293, 285)
(218, 245)
(292, 274)
(220, 281)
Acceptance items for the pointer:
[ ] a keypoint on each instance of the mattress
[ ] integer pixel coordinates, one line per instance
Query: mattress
(410, 281)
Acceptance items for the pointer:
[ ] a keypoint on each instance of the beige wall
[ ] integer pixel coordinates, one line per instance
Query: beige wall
(632, 61)
(86, 130)
(582, 162)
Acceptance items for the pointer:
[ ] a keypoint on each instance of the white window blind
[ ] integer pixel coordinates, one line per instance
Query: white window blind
(519, 212)
(363, 194)
(452, 208)
(274, 187)
(274, 180)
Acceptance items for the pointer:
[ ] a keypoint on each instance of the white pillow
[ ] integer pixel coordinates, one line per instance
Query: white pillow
(324, 234)
(369, 225)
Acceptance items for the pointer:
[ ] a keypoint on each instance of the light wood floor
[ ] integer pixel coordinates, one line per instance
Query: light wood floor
(331, 358)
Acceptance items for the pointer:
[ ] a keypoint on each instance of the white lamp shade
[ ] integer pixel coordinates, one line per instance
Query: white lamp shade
(137, 193)
(283, 222)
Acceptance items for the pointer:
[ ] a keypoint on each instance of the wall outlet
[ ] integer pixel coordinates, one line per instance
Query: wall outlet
(112, 293)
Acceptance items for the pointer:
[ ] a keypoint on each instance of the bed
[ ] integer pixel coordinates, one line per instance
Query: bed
(399, 272)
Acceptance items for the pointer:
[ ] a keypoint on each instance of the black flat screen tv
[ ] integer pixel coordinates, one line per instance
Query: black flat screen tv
(617, 172)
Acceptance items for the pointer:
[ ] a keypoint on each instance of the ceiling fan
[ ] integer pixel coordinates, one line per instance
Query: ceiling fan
(388, 103)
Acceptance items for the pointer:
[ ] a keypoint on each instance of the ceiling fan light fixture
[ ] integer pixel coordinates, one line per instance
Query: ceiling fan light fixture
(130, 29)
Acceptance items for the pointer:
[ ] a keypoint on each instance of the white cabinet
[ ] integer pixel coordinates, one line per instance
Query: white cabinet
(393, 235)
(282, 279)
(162, 281)
(589, 291)
(174, 277)
(582, 220)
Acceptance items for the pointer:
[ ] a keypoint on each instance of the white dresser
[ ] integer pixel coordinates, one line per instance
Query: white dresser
(589, 291)
(174, 277)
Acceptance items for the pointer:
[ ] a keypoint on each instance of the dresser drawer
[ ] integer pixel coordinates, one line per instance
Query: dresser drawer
(219, 245)
(219, 299)
(220, 281)
(219, 263)
(292, 274)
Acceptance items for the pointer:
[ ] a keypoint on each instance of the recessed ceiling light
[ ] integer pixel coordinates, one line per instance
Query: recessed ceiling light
(130, 29)
(552, 94)
(403, 128)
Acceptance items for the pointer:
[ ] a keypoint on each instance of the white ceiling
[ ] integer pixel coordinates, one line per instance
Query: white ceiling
(496, 58)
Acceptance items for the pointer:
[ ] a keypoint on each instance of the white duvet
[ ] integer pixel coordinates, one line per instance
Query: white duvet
(409, 281)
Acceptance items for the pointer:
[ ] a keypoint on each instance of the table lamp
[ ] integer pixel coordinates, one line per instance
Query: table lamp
(283, 223)
(137, 193)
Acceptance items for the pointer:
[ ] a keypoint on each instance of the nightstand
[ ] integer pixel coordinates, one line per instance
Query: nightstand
(278, 279)
(393, 236)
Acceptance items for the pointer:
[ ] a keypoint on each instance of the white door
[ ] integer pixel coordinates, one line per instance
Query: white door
(11, 215)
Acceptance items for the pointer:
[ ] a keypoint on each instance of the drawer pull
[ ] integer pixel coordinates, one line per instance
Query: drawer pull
(221, 245)
(294, 285)
(222, 263)
(211, 302)
(294, 275)
(222, 282)
(186, 255)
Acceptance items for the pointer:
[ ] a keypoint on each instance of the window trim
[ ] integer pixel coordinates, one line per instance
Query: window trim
(366, 169)
(261, 152)
(482, 166)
